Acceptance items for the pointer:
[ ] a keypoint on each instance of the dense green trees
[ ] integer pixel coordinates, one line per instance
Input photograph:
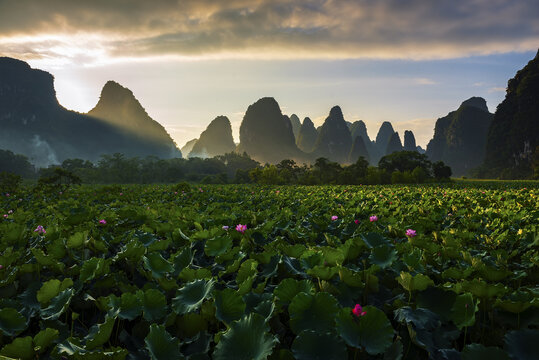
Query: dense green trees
(15, 163)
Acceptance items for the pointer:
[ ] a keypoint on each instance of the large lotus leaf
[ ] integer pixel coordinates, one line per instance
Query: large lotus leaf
(199, 347)
(483, 290)
(58, 305)
(312, 312)
(293, 266)
(374, 239)
(182, 260)
(383, 255)
(351, 277)
(20, 348)
(132, 251)
(130, 306)
(480, 352)
(72, 348)
(247, 270)
(190, 297)
(157, 265)
(412, 259)
(414, 282)
(217, 245)
(518, 301)
(11, 321)
(191, 324)
(45, 338)
(52, 288)
(463, 311)
(47, 260)
(522, 344)
(420, 318)
(333, 256)
(247, 339)
(93, 268)
(77, 240)
(438, 301)
(161, 345)
(312, 345)
(154, 304)
(373, 331)
(394, 352)
(289, 287)
(229, 305)
(271, 268)
(99, 333)
(323, 272)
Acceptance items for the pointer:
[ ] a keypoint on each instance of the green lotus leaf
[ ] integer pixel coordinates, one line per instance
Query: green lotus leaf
(161, 345)
(383, 255)
(483, 290)
(45, 338)
(414, 282)
(217, 245)
(312, 312)
(132, 251)
(412, 259)
(154, 304)
(312, 345)
(229, 305)
(323, 272)
(52, 288)
(130, 306)
(191, 324)
(99, 333)
(522, 344)
(247, 339)
(58, 305)
(182, 260)
(20, 348)
(157, 265)
(190, 297)
(289, 287)
(77, 240)
(463, 311)
(247, 269)
(374, 239)
(420, 318)
(373, 331)
(93, 268)
(72, 348)
(438, 301)
(333, 256)
(47, 260)
(351, 277)
(12, 322)
(480, 352)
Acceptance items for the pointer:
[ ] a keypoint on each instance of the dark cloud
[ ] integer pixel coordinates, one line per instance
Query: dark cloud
(279, 28)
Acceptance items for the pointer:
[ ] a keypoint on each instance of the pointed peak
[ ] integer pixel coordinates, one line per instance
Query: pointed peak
(336, 112)
(477, 102)
(308, 121)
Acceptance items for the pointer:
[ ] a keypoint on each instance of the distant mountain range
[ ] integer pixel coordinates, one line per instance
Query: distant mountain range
(468, 139)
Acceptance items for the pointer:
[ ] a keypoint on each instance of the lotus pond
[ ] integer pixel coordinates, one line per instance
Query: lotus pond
(252, 272)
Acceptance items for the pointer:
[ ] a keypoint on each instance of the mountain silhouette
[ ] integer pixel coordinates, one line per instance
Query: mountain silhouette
(460, 137)
(215, 140)
(334, 140)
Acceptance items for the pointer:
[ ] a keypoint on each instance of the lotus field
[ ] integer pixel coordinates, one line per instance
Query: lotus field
(253, 272)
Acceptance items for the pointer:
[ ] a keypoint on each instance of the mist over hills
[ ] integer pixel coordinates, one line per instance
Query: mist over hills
(34, 124)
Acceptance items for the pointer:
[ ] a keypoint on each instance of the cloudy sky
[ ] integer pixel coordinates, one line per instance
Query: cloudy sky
(188, 61)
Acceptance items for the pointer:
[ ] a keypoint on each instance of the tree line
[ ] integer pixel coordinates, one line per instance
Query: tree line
(398, 167)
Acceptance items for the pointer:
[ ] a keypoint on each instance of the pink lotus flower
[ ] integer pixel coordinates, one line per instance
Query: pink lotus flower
(334, 217)
(103, 222)
(358, 311)
(5, 216)
(373, 218)
(356, 221)
(1, 267)
(10, 212)
(40, 230)
(241, 228)
(411, 233)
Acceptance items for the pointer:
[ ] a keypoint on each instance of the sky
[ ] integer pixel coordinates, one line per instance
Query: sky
(188, 61)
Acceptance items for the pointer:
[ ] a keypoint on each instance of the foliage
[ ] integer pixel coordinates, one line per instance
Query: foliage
(163, 276)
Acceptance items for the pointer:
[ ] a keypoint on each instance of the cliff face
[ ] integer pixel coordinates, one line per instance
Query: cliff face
(334, 139)
(266, 135)
(394, 144)
(513, 136)
(296, 125)
(307, 136)
(35, 125)
(409, 141)
(215, 140)
(358, 149)
(460, 137)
